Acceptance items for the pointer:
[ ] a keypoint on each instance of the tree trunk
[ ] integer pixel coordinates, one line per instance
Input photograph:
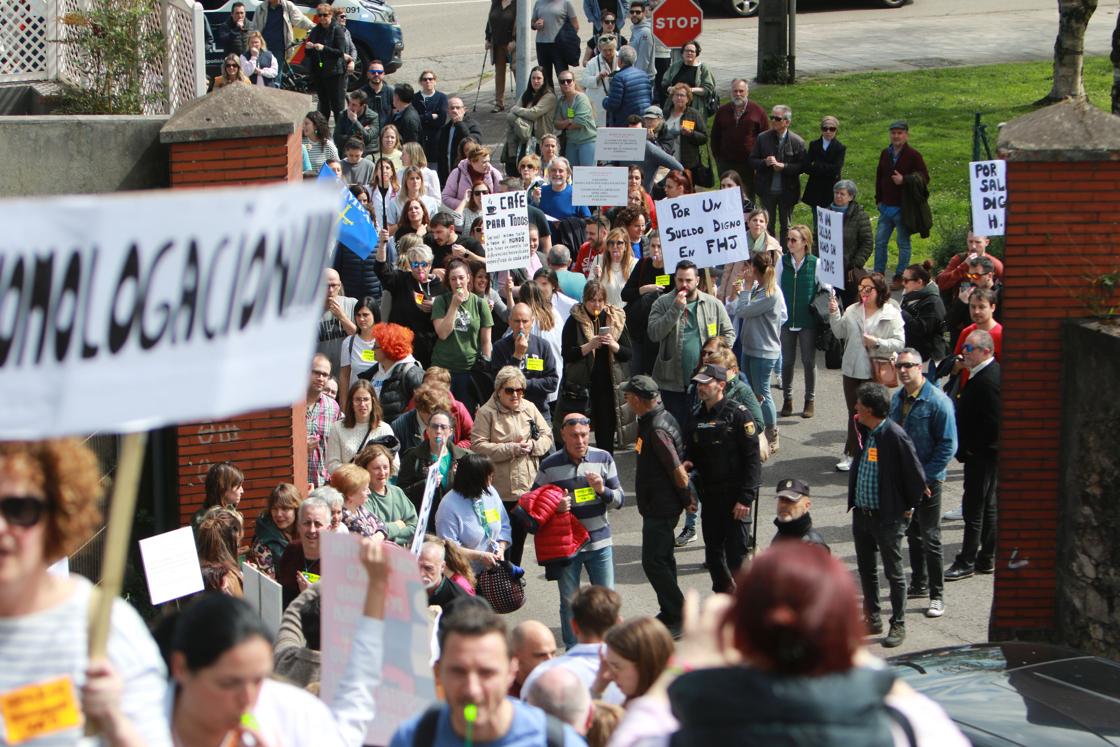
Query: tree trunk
(1069, 49)
(1115, 57)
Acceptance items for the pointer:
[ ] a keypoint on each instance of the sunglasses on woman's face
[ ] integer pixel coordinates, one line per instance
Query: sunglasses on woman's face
(22, 511)
(511, 391)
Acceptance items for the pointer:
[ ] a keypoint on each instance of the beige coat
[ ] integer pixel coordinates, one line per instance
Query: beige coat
(497, 429)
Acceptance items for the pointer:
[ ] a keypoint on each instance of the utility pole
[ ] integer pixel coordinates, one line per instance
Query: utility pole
(524, 44)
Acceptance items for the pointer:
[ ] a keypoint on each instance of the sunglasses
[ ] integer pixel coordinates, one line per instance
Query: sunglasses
(968, 347)
(566, 81)
(827, 129)
(977, 275)
(376, 72)
(232, 67)
(775, 118)
(577, 421)
(418, 265)
(509, 390)
(905, 366)
(616, 243)
(608, 20)
(425, 80)
(22, 511)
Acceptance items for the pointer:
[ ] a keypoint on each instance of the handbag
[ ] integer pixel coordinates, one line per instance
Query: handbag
(883, 372)
(503, 586)
(568, 44)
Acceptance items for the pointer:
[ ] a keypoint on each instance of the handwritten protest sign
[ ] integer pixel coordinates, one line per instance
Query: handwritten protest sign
(988, 185)
(505, 224)
(129, 312)
(830, 248)
(599, 185)
(407, 686)
(707, 228)
(624, 144)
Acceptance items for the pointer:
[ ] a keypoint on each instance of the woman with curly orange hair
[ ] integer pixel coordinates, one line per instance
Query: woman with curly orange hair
(396, 374)
(49, 495)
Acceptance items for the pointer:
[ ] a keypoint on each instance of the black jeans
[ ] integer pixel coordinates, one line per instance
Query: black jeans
(660, 566)
(924, 539)
(780, 213)
(875, 535)
(979, 508)
(518, 534)
(329, 89)
(726, 541)
(549, 57)
(660, 67)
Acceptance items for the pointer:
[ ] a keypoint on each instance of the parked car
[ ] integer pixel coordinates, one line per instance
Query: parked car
(748, 8)
(372, 24)
(1028, 694)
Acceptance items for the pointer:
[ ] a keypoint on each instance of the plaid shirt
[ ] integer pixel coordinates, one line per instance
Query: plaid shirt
(320, 417)
(867, 479)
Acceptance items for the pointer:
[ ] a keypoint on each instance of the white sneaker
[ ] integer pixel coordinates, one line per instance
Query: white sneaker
(957, 514)
(936, 608)
(845, 464)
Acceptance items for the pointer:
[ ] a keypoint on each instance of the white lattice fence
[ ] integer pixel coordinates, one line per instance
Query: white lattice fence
(24, 51)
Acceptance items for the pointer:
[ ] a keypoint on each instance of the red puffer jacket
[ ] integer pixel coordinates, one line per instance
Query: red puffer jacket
(557, 537)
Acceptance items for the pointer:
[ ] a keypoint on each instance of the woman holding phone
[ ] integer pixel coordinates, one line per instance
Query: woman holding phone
(462, 321)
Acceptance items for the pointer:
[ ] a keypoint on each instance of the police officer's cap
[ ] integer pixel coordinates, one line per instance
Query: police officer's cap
(642, 386)
(792, 489)
(709, 372)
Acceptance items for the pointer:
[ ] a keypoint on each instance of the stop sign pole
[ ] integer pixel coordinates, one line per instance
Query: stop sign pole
(677, 22)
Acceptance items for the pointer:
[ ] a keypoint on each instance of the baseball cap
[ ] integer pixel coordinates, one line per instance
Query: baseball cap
(642, 386)
(899, 124)
(653, 111)
(709, 372)
(793, 489)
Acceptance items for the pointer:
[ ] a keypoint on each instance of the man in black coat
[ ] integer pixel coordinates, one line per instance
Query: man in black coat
(777, 158)
(405, 117)
(885, 483)
(233, 35)
(531, 355)
(823, 164)
(459, 126)
(793, 519)
(378, 92)
(978, 415)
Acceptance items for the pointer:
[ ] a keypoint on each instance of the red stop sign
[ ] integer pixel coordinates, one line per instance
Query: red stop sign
(677, 22)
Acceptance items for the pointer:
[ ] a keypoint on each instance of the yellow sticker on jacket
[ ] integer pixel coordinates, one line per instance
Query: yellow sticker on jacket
(638, 445)
(872, 454)
(571, 112)
(661, 280)
(311, 578)
(585, 495)
(688, 125)
(712, 329)
(39, 710)
(419, 298)
(534, 363)
(492, 516)
(369, 356)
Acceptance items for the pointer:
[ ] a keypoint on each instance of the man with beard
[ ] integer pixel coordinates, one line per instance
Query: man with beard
(793, 520)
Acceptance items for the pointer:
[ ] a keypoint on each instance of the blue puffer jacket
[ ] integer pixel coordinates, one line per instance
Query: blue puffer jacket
(631, 92)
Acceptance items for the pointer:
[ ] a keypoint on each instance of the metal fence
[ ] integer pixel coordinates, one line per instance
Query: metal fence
(30, 32)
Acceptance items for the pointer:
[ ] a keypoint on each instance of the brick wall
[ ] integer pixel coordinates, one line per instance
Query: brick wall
(242, 161)
(1061, 224)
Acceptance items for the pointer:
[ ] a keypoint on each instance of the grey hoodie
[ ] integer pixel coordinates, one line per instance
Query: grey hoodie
(762, 322)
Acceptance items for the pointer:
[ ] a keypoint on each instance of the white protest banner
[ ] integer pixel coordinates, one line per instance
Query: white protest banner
(407, 686)
(131, 311)
(171, 565)
(706, 228)
(264, 595)
(432, 484)
(505, 224)
(987, 182)
(600, 185)
(625, 144)
(830, 248)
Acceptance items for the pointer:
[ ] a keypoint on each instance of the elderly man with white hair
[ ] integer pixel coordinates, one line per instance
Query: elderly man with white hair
(299, 565)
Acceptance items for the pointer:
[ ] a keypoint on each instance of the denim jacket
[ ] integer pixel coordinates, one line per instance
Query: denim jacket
(932, 427)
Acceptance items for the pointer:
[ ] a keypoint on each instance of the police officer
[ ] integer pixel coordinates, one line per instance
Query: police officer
(662, 492)
(722, 447)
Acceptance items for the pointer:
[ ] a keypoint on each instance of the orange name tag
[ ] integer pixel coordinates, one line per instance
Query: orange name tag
(638, 445)
(39, 710)
(419, 298)
(872, 454)
(688, 125)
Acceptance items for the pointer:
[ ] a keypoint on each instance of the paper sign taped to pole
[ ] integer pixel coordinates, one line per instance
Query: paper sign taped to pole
(600, 185)
(505, 224)
(625, 144)
(433, 484)
(131, 311)
(171, 565)
(987, 182)
(830, 248)
(407, 685)
(707, 228)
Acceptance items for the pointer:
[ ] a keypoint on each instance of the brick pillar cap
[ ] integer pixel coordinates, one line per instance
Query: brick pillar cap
(237, 111)
(1070, 130)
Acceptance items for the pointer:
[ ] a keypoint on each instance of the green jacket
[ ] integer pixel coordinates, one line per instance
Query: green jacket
(392, 507)
(799, 287)
(663, 329)
(704, 79)
(582, 115)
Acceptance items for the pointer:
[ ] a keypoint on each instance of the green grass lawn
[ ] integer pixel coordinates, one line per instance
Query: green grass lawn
(939, 106)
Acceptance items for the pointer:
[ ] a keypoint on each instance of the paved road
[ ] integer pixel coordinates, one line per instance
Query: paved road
(809, 450)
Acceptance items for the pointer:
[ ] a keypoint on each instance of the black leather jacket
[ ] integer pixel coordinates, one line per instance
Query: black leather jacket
(656, 483)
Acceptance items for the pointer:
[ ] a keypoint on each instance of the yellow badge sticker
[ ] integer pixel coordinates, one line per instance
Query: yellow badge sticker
(419, 298)
(492, 516)
(661, 280)
(39, 710)
(311, 578)
(750, 428)
(638, 445)
(534, 363)
(872, 454)
(369, 356)
(571, 112)
(712, 329)
(688, 125)
(585, 495)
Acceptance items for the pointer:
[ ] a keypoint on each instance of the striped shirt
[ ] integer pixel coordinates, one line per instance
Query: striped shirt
(52, 644)
(867, 479)
(589, 507)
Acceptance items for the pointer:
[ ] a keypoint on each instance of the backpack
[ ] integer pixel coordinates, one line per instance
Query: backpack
(425, 735)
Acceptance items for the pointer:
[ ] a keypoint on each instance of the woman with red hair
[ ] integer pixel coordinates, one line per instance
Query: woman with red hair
(395, 374)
